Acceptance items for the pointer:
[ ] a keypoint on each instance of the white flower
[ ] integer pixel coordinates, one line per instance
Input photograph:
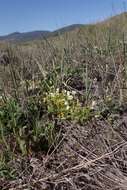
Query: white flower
(66, 103)
(52, 94)
(109, 98)
(67, 108)
(97, 116)
(73, 92)
(70, 97)
(64, 91)
(30, 87)
(57, 90)
(68, 93)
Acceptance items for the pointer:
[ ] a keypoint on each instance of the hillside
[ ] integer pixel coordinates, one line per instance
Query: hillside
(63, 108)
(35, 35)
(116, 23)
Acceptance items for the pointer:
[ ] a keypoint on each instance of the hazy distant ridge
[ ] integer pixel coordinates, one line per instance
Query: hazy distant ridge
(27, 36)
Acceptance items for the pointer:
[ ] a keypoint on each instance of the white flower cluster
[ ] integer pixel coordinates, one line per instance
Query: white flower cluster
(70, 94)
(62, 99)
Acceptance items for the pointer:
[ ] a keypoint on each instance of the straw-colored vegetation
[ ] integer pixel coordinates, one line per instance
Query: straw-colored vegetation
(63, 112)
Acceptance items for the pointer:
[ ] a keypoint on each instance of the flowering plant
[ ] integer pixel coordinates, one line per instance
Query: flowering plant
(65, 105)
(60, 103)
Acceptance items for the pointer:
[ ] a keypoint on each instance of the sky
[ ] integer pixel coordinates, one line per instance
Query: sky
(29, 15)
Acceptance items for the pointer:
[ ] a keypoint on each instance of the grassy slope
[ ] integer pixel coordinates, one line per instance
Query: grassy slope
(48, 145)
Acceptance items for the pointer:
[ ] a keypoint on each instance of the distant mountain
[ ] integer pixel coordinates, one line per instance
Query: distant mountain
(34, 35)
(117, 24)
(26, 36)
(67, 29)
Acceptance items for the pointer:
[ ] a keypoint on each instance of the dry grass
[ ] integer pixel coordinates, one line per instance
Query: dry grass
(89, 155)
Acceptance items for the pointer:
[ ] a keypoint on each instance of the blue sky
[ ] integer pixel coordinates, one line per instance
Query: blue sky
(28, 15)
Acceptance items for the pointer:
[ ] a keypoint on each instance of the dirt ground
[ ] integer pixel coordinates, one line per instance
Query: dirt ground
(88, 157)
